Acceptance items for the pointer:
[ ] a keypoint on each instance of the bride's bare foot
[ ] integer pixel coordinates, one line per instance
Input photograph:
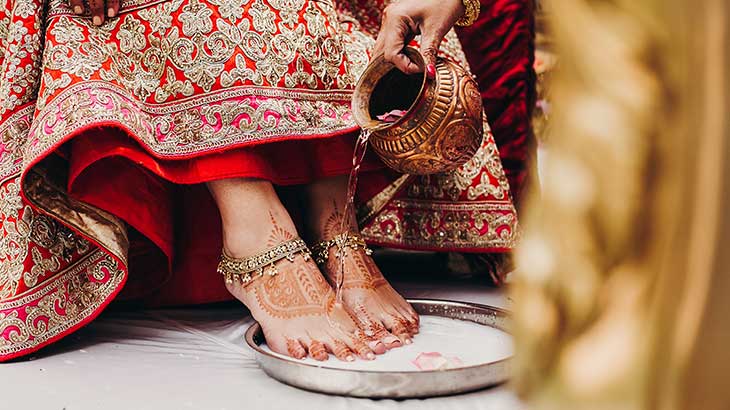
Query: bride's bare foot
(383, 312)
(298, 314)
(295, 307)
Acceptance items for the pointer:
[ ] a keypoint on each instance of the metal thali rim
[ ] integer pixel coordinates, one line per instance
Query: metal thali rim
(502, 366)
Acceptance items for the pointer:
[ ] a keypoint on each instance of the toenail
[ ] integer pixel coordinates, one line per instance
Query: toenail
(394, 343)
(370, 355)
(350, 358)
(409, 341)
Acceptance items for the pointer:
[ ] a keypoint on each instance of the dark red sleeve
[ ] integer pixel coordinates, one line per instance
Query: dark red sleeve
(500, 49)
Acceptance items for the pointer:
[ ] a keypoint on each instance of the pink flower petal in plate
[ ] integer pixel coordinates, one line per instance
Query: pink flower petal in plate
(391, 116)
(436, 361)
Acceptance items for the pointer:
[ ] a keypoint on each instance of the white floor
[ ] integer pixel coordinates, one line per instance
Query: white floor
(196, 358)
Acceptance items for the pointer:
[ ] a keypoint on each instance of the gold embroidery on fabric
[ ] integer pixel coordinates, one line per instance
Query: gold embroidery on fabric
(44, 188)
(60, 241)
(379, 201)
(13, 135)
(20, 51)
(357, 46)
(14, 238)
(386, 226)
(197, 125)
(283, 67)
(23, 230)
(62, 7)
(262, 44)
(40, 266)
(468, 225)
(67, 300)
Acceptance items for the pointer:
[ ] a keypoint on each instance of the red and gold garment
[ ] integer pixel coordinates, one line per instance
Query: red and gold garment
(109, 133)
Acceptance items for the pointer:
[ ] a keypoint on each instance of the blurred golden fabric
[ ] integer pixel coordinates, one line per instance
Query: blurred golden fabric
(545, 63)
(621, 293)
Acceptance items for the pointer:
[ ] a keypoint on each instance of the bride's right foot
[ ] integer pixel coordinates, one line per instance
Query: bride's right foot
(296, 307)
(298, 313)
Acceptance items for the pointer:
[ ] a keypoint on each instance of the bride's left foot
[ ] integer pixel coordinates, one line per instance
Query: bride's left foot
(383, 313)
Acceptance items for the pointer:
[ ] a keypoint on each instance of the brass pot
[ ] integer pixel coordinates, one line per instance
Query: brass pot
(442, 128)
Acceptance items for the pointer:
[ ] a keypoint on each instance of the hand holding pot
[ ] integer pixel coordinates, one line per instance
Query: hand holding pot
(405, 19)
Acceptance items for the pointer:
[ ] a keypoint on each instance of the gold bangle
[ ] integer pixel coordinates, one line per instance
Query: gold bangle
(342, 242)
(471, 12)
(247, 269)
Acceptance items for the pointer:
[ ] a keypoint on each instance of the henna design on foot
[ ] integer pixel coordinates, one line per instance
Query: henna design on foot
(342, 352)
(297, 304)
(295, 349)
(363, 350)
(401, 330)
(377, 307)
(373, 330)
(294, 293)
(317, 351)
(278, 233)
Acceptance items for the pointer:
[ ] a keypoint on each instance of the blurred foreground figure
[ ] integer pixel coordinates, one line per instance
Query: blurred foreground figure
(622, 298)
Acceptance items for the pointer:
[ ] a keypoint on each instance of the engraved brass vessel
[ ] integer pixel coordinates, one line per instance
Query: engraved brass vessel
(442, 128)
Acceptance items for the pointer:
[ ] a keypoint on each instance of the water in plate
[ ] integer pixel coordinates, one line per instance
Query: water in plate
(472, 343)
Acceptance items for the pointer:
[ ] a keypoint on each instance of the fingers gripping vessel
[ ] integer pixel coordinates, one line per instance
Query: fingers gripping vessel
(442, 128)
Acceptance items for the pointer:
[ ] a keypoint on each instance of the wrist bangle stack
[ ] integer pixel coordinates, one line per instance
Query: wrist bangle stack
(471, 12)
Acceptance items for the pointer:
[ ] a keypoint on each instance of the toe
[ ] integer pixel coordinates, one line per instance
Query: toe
(359, 346)
(277, 344)
(398, 321)
(389, 340)
(377, 346)
(402, 332)
(399, 328)
(363, 350)
(295, 349)
(417, 321)
(318, 351)
(378, 338)
(411, 317)
(341, 351)
(381, 334)
(412, 323)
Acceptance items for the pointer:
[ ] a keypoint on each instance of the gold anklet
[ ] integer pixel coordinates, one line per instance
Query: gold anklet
(247, 269)
(343, 242)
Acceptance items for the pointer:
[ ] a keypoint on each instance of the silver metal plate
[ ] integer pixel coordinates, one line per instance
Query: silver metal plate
(400, 384)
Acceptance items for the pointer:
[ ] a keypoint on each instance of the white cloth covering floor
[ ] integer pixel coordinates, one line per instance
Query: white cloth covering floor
(195, 358)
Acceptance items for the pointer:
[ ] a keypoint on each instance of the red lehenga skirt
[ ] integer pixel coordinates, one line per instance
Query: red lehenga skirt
(109, 133)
